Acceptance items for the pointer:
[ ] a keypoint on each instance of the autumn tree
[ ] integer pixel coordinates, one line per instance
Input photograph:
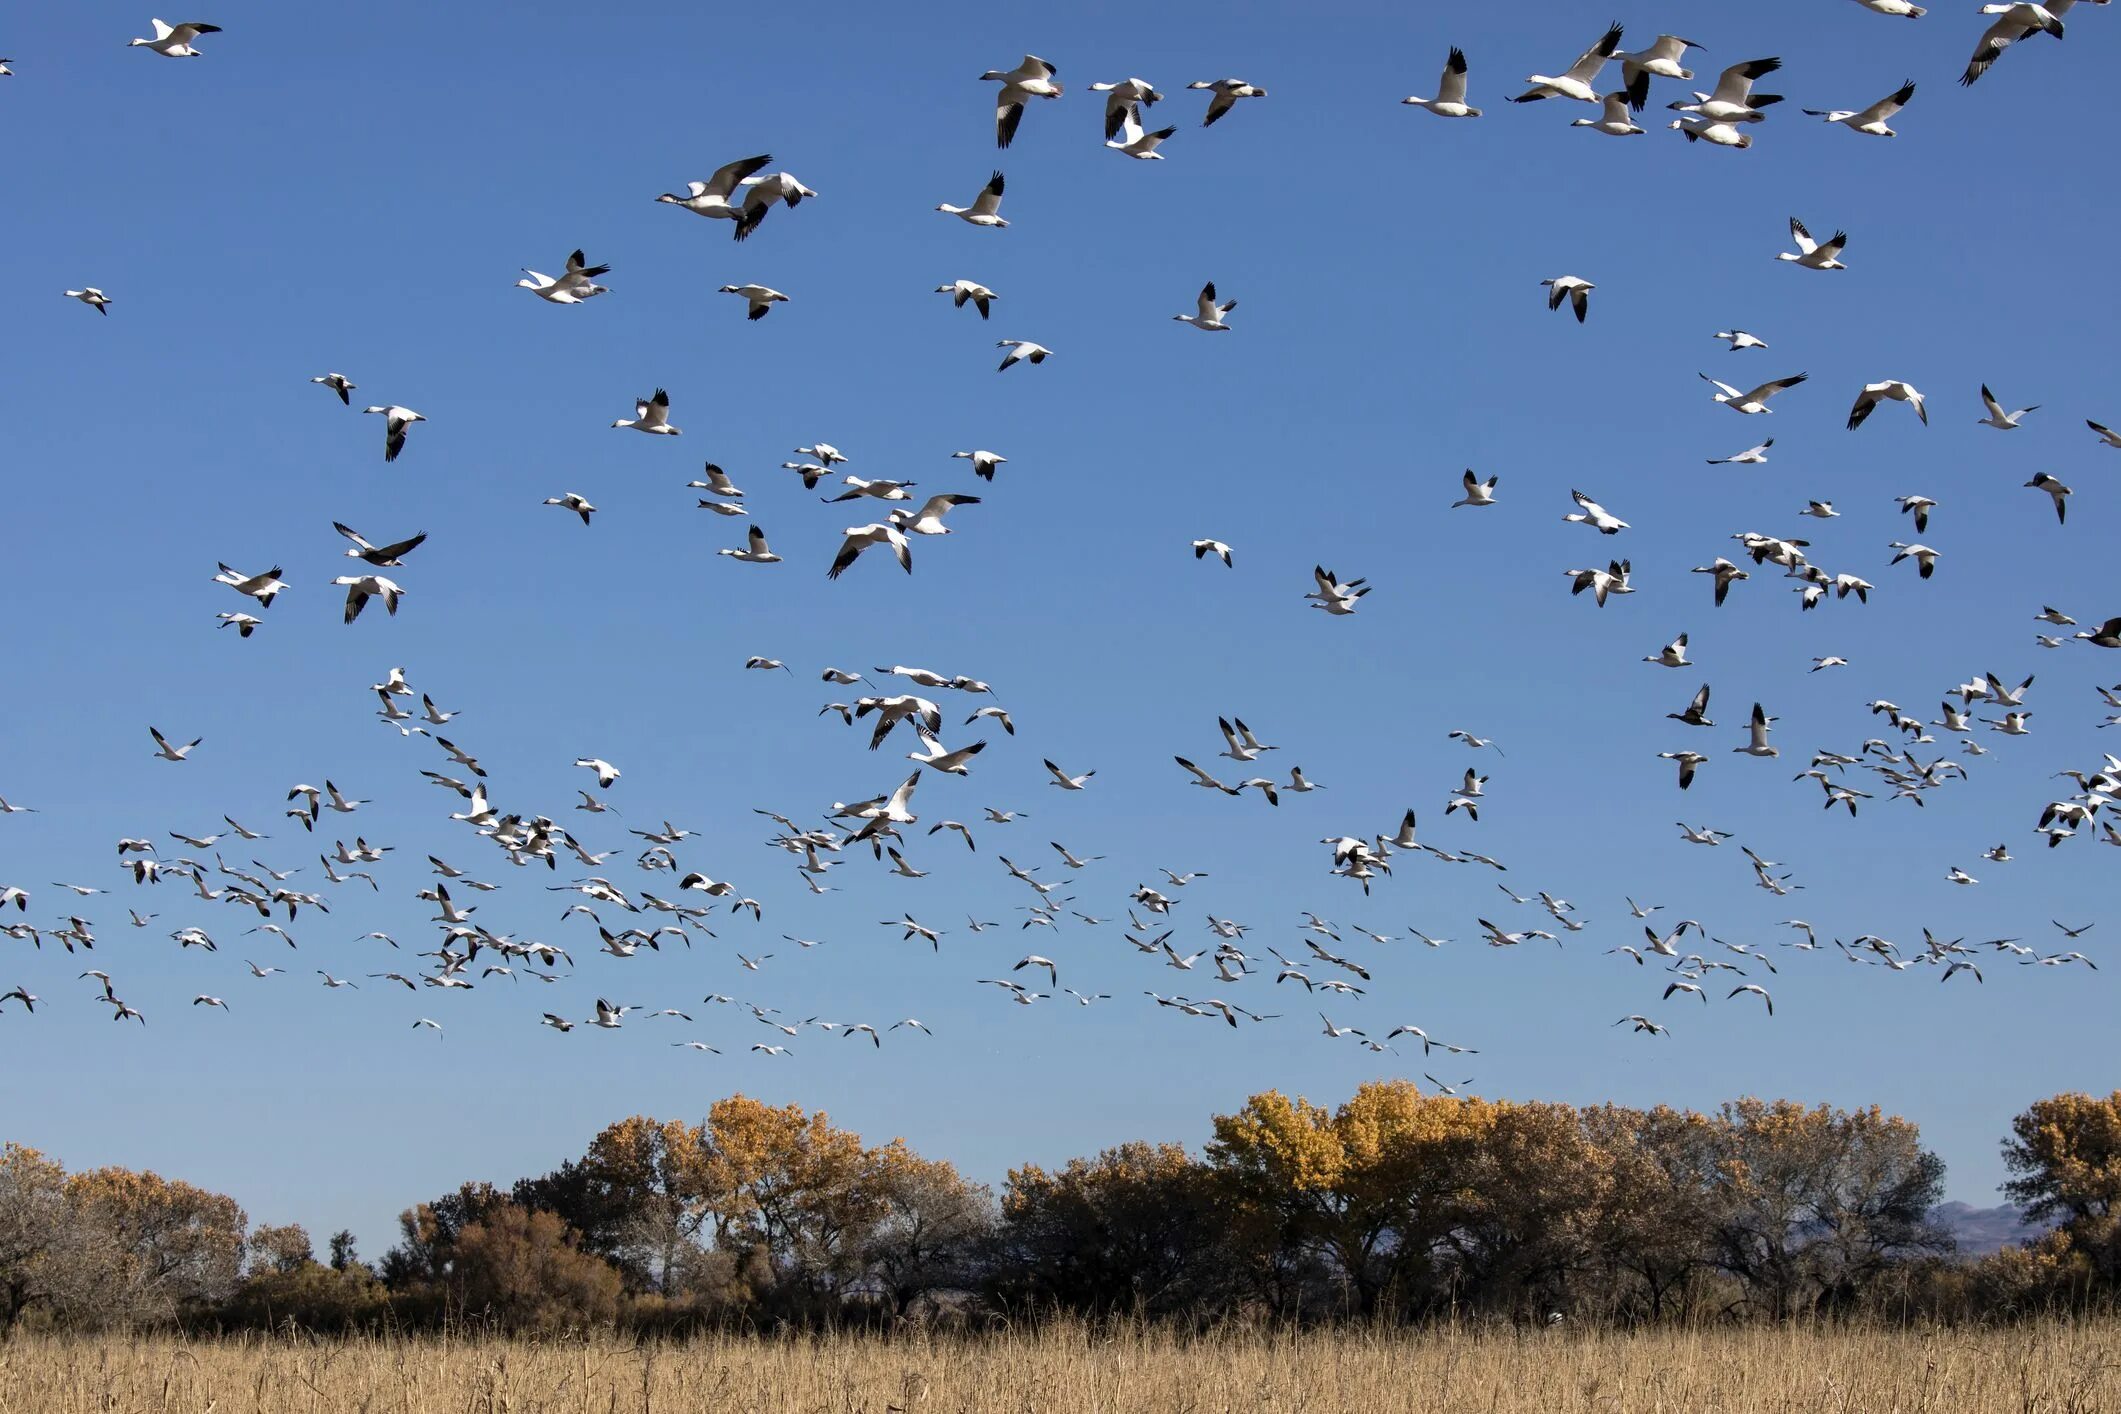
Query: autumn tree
(2064, 1153)
(157, 1246)
(1135, 1229)
(40, 1256)
(928, 1234)
(279, 1249)
(1523, 1210)
(1369, 1189)
(1653, 1233)
(522, 1268)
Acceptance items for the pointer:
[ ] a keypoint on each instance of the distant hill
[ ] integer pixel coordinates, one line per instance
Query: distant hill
(1984, 1230)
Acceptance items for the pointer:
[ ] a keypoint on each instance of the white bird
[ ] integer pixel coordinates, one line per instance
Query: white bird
(1132, 140)
(1478, 492)
(1576, 81)
(1708, 130)
(1209, 315)
(1125, 99)
(395, 421)
(2056, 491)
(760, 297)
(261, 587)
(760, 193)
(606, 773)
(1900, 9)
(755, 552)
(1033, 78)
(574, 286)
(985, 209)
(1739, 339)
(1672, 655)
(983, 462)
(1757, 990)
(1875, 393)
(1757, 735)
(1204, 548)
(651, 415)
(175, 41)
(92, 297)
(1450, 99)
(2106, 434)
(962, 292)
(2014, 21)
(711, 197)
(1613, 579)
(862, 537)
(168, 752)
(360, 588)
(1688, 761)
(1575, 290)
(570, 501)
(1664, 58)
(1067, 782)
(1227, 92)
(1733, 102)
(1020, 350)
(928, 518)
(1595, 516)
(1997, 418)
(1813, 255)
(1754, 401)
(1614, 120)
(1871, 121)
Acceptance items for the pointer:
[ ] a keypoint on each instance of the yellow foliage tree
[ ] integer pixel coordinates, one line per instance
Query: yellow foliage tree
(2065, 1155)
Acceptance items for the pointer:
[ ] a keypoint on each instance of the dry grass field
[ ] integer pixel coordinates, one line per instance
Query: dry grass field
(2055, 1368)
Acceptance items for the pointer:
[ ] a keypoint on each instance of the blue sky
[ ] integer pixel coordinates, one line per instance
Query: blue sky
(316, 194)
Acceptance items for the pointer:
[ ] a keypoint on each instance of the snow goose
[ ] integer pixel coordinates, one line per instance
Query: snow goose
(1875, 393)
(1615, 121)
(339, 384)
(1661, 59)
(1478, 492)
(760, 193)
(963, 291)
(1734, 100)
(1450, 99)
(711, 197)
(92, 297)
(2107, 635)
(1755, 401)
(928, 520)
(760, 297)
(1689, 762)
(2056, 491)
(1020, 350)
(1672, 655)
(1227, 92)
(5, 71)
(1757, 990)
(1819, 510)
(360, 588)
(1900, 9)
(1334, 595)
(1997, 418)
(755, 552)
(1739, 339)
(261, 587)
(1919, 507)
(395, 421)
(651, 415)
(1122, 99)
(1613, 579)
(1064, 780)
(983, 462)
(174, 41)
(1136, 143)
(880, 490)
(383, 557)
(244, 624)
(576, 284)
(2014, 21)
(1594, 515)
(1924, 557)
(570, 501)
(167, 752)
(1814, 255)
(1576, 81)
(2106, 434)
(1204, 548)
(1209, 315)
(1575, 290)
(985, 209)
(1711, 131)
(861, 537)
(1869, 121)
(1033, 78)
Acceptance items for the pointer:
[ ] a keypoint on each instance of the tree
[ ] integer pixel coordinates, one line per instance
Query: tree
(1367, 1189)
(1525, 1216)
(157, 1246)
(280, 1249)
(522, 1268)
(927, 1238)
(343, 1255)
(2065, 1155)
(1136, 1229)
(40, 1260)
(1665, 1169)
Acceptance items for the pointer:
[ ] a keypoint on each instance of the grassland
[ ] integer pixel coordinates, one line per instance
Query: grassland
(2053, 1368)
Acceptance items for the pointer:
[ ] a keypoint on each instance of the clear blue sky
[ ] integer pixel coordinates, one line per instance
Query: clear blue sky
(325, 191)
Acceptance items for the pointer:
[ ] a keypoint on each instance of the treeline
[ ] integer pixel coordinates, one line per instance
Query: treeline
(1396, 1206)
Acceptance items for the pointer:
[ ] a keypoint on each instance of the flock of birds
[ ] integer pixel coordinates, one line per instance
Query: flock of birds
(674, 904)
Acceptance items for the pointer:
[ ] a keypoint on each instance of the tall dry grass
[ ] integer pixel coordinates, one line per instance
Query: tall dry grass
(2053, 1368)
